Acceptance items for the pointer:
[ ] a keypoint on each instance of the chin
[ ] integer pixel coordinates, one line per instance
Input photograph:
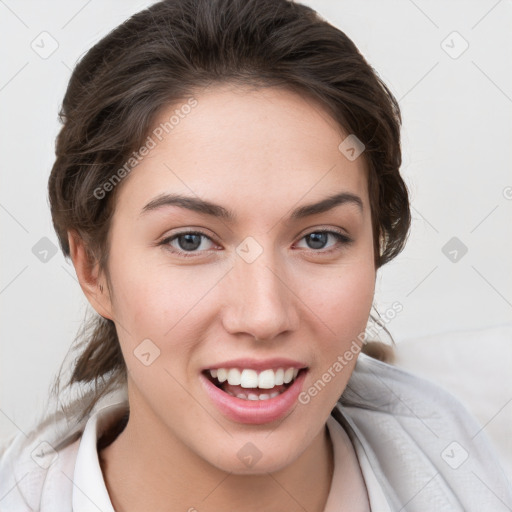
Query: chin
(257, 454)
(256, 466)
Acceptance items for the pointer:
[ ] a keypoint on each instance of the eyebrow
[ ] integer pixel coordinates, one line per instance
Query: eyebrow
(215, 210)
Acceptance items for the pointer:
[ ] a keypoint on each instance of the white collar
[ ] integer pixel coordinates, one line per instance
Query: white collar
(89, 489)
(90, 492)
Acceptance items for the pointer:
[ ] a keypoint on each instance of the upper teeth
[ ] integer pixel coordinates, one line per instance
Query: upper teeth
(248, 378)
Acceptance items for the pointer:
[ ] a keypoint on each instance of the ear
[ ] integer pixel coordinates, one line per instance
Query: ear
(92, 283)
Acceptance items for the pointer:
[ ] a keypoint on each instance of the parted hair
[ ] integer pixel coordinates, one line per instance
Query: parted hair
(163, 55)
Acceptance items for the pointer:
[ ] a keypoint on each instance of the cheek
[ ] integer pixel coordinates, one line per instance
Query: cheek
(343, 299)
(157, 300)
(343, 294)
(343, 311)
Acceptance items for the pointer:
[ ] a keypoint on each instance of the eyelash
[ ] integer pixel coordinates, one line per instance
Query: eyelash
(343, 239)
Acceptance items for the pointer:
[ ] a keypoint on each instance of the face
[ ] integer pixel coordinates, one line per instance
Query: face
(241, 276)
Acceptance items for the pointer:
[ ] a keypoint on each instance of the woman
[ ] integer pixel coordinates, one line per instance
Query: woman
(227, 185)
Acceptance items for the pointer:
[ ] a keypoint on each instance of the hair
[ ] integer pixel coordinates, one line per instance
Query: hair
(167, 53)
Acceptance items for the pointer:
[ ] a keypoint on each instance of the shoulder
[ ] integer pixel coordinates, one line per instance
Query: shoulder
(37, 469)
(379, 386)
(418, 434)
(35, 476)
(402, 399)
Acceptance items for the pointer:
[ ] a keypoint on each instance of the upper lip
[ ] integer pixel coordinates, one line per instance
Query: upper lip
(255, 364)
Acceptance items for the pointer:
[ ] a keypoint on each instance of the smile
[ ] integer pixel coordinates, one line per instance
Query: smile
(249, 384)
(254, 392)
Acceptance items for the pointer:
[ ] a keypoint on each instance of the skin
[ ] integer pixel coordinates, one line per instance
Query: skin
(259, 153)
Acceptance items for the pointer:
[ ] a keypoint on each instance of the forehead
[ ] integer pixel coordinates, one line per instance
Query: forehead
(240, 145)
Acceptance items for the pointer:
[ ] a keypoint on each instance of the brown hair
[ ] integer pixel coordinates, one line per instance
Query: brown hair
(163, 55)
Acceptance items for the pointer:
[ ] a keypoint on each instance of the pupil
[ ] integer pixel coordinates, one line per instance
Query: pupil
(190, 243)
(318, 240)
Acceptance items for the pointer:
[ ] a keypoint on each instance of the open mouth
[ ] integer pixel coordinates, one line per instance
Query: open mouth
(249, 384)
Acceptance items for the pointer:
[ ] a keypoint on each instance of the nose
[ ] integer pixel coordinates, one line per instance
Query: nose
(260, 300)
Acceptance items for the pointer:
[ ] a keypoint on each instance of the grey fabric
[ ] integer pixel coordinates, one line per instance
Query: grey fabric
(426, 450)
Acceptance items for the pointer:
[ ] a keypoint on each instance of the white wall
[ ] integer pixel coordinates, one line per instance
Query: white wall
(457, 149)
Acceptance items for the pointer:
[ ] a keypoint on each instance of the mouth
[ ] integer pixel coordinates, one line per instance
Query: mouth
(250, 396)
(249, 384)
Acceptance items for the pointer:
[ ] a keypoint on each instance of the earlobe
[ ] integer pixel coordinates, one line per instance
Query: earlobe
(89, 277)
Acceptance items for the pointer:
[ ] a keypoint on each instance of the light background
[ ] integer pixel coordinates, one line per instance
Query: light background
(457, 154)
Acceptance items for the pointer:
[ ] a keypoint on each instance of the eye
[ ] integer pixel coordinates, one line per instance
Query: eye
(318, 239)
(190, 243)
(186, 243)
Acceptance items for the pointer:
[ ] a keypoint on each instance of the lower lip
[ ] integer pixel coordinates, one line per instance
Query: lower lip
(254, 412)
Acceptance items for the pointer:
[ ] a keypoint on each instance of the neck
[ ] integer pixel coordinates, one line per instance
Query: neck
(142, 472)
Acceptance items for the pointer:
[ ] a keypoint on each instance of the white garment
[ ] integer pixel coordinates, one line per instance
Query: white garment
(417, 447)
